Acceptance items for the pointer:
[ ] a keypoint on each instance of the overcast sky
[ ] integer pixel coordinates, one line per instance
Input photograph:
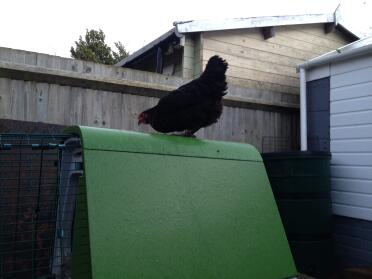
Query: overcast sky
(53, 26)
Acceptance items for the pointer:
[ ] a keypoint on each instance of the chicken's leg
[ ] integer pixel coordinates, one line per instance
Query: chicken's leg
(190, 133)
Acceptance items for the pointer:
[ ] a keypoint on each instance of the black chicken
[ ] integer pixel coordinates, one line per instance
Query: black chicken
(194, 105)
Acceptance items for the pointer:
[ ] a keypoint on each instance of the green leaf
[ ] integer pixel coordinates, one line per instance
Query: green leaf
(94, 48)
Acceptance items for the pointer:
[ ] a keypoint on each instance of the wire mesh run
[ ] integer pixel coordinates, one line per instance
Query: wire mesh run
(37, 200)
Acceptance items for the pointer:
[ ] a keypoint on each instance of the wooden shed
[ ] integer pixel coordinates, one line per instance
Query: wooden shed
(262, 52)
(336, 116)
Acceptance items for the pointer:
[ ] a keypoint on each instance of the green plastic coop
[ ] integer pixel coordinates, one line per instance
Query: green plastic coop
(156, 206)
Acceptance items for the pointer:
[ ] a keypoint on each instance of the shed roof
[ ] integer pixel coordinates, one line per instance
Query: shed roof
(183, 27)
(251, 22)
(354, 49)
(166, 36)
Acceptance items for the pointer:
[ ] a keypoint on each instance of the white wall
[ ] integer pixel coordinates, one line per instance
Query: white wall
(351, 137)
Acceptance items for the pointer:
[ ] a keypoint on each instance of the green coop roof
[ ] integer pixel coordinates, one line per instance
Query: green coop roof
(156, 206)
(117, 140)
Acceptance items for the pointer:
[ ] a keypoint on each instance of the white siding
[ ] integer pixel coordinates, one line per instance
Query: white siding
(351, 137)
(353, 118)
(351, 65)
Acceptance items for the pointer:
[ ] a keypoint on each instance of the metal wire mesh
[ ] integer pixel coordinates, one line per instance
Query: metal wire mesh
(36, 208)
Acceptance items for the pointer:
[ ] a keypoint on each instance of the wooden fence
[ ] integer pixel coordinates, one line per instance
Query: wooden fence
(37, 87)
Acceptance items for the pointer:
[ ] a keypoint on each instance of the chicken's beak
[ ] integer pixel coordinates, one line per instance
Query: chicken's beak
(141, 119)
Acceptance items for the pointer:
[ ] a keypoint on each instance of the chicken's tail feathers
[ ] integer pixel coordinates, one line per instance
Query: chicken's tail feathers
(214, 73)
(216, 67)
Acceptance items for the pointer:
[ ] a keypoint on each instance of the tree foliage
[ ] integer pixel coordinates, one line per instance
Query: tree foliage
(122, 52)
(93, 48)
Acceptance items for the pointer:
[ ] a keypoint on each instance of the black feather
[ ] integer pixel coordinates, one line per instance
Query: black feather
(194, 105)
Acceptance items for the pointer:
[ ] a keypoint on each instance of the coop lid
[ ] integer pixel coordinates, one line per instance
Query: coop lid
(127, 141)
(205, 211)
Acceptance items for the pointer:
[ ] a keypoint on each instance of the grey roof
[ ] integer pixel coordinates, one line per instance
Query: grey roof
(146, 48)
(184, 27)
(354, 49)
(251, 22)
